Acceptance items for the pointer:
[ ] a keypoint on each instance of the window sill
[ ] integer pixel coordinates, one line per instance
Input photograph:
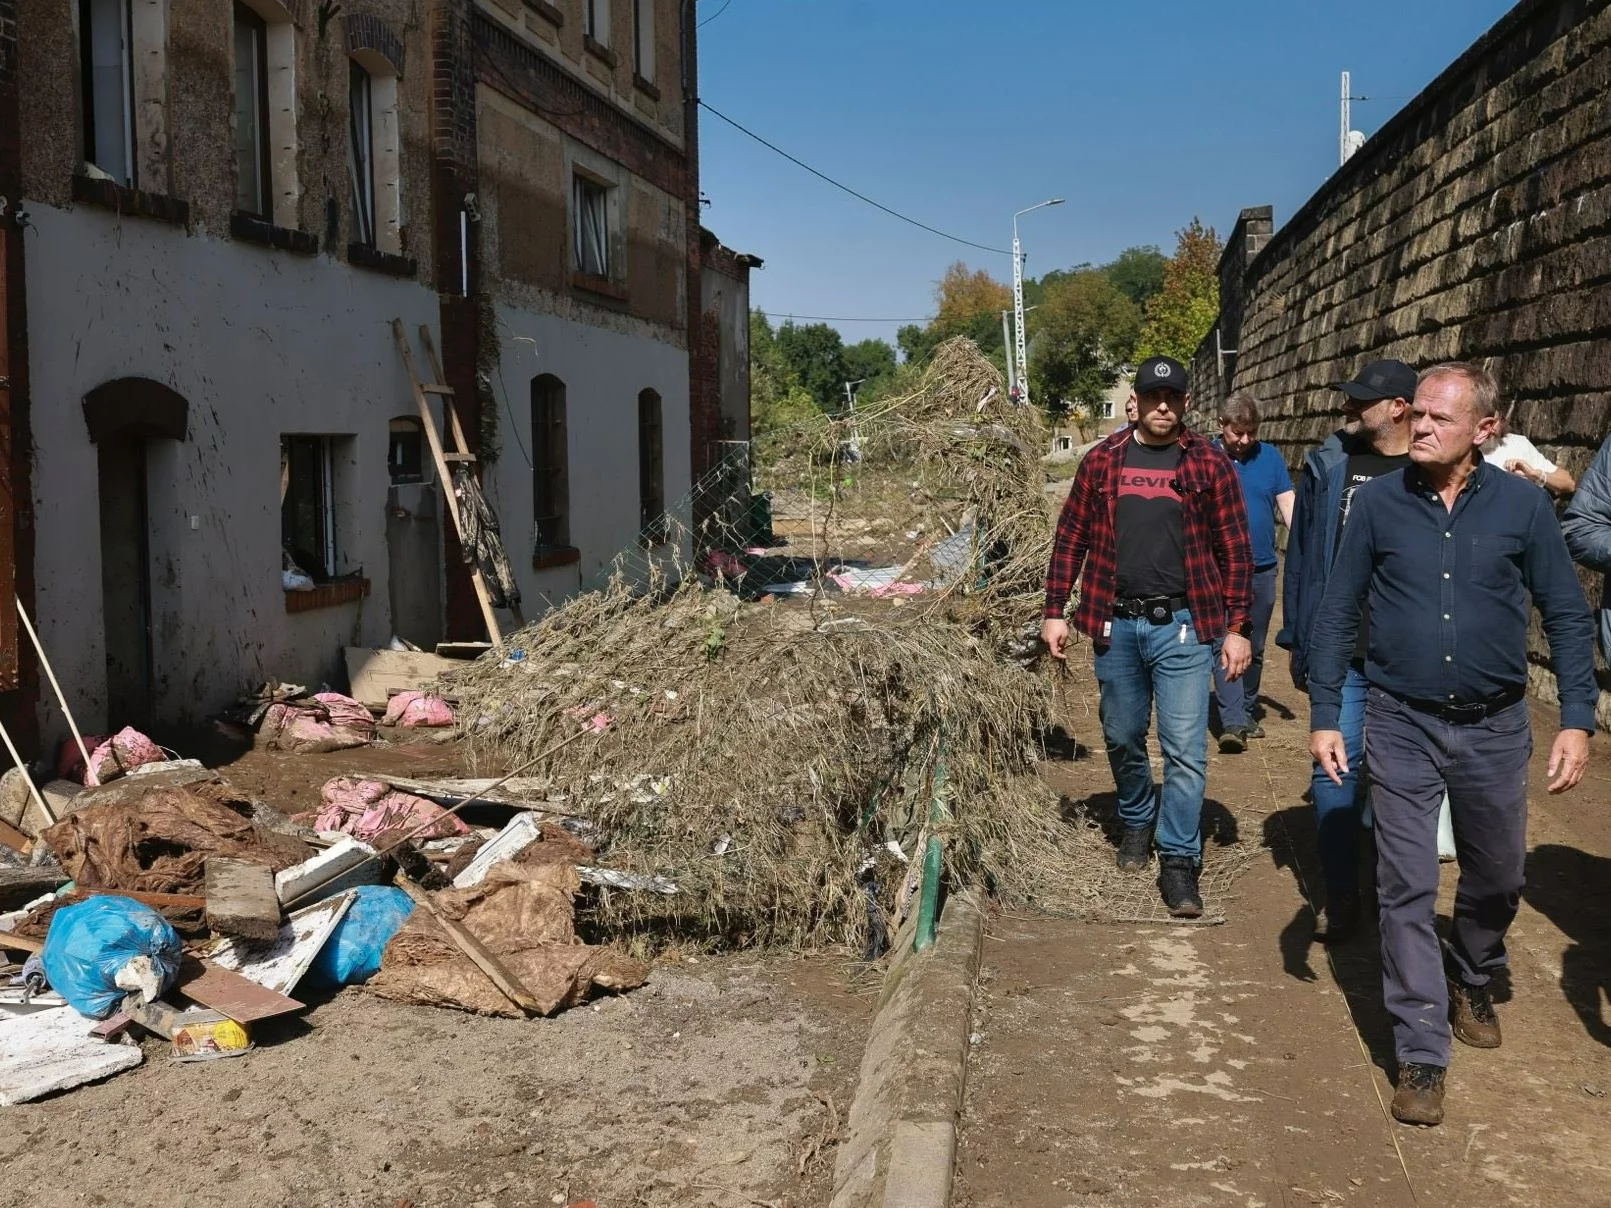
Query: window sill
(547, 12)
(600, 51)
(110, 195)
(364, 256)
(327, 595)
(601, 287)
(548, 557)
(253, 229)
(645, 86)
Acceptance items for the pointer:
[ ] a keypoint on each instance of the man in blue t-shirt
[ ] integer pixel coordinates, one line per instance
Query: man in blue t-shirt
(1267, 487)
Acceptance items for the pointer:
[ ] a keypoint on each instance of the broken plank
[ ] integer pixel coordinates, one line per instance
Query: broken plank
(508, 984)
(241, 899)
(462, 650)
(281, 964)
(521, 833)
(343, 866)
(13, 942)
(15, 839)
(157, 901)
(519, 792)
(53, 1051)
(378, 675)
(224, 990)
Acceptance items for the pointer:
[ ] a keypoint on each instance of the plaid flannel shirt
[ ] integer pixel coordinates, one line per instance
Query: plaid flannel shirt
(1219, 555)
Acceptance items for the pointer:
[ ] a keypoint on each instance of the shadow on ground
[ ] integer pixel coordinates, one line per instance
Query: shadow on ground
(1572, 889)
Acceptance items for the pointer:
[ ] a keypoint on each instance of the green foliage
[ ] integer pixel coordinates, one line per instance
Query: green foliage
(1085, 332)
(1179, 315)
(869, 361)
(815, 353)
(1138, 273)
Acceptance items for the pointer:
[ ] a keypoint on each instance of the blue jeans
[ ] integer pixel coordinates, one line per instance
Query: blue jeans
(1237, 697)
(1142, 664)
(1338, 806)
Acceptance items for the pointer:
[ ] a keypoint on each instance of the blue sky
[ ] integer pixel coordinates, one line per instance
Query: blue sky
(1140, 114)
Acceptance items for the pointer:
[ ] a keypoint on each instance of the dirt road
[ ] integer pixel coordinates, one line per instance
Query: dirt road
(1239, 1066)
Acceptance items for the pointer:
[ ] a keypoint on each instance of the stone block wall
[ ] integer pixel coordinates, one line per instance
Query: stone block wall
(1475, 225)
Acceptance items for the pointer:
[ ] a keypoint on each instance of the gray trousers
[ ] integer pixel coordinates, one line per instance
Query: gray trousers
(1414, 758)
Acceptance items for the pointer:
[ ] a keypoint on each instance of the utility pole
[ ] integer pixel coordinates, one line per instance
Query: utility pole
(1349, 140)
(1018, 298)
(1006, 344)
(855, 432)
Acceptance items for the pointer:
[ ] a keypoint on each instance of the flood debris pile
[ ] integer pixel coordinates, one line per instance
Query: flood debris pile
(178, 910)
(784, 758)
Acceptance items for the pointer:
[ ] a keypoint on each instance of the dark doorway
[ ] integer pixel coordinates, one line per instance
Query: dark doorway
(126, 579)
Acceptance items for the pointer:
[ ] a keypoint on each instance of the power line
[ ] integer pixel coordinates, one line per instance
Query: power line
(780, 314)
(714, 15)
(846, 188)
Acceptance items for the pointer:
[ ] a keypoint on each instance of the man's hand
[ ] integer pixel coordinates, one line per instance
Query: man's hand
(1331, 753)
(1567, 759)
(1054, 632)
(1235, 655)
(1522, 470)
(1300, 681)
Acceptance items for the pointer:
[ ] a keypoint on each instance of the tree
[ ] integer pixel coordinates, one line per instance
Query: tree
(1138, 272)
(870, 362)
(962, 297)
(815, 353)
(777, 399)
(1179, 315)
(1086, 331)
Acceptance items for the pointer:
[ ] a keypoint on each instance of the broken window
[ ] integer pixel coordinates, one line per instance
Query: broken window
(550, 456)
(651, 468)
(643, 39)
(405, 455)
(592, 206)
(361, 153)
(106, 38)
(308, 504)
(252, 173)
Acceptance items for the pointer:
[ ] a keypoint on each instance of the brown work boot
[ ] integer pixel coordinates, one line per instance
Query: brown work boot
(1419, 1098)
(1472, 1015)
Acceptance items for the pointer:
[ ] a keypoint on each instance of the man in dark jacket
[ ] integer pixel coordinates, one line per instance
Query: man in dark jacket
(1375, 441)
(1587, 529)
(1156, 522)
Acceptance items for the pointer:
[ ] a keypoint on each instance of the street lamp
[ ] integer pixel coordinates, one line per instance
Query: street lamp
(1018, 294)
(855, 433)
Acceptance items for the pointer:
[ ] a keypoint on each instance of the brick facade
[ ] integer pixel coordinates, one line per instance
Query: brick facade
(365, 31)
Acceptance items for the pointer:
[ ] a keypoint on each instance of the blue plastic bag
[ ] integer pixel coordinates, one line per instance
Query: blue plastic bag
(351, 956)
(90, 942)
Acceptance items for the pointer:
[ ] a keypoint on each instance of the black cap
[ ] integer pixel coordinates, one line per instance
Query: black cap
(1160, 373)
(1379, 380)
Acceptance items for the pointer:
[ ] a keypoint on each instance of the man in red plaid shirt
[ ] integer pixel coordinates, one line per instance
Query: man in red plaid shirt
(1157, 521)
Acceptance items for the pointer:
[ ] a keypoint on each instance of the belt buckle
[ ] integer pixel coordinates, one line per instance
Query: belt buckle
(1159, 612)
(1465, 714)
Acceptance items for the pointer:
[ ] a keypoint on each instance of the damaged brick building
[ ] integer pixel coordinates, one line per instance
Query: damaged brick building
(217, 209)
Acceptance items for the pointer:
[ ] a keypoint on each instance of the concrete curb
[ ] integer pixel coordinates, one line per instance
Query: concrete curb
(901, 1142)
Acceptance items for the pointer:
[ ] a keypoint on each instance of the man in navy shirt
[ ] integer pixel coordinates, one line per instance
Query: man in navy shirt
(1446, 554)
(1267, 489)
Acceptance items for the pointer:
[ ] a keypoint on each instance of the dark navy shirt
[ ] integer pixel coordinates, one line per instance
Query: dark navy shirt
(1264, 476)
(1449, 596)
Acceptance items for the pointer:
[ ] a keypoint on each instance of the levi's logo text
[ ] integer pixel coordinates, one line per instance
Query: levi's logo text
(1148, 484)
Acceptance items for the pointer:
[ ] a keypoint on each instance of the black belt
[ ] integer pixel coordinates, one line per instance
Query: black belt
(1463, 714)
(1160, 610)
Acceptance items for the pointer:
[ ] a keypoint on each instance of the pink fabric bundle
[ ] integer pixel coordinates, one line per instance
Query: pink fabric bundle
(327, 722)
(417, 709)
(111, 755)
(367, 808)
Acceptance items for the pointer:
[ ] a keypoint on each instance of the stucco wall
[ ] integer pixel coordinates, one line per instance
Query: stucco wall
(260, 343)
(603, 372)
(1475, 225)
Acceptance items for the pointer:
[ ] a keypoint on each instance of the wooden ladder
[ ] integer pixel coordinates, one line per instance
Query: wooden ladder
(442, 458)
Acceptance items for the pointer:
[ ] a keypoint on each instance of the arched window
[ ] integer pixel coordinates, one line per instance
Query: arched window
(374, 138)
(550, 458)
(651, 466)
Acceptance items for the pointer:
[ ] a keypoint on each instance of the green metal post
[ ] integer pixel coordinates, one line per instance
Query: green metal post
(928, 908)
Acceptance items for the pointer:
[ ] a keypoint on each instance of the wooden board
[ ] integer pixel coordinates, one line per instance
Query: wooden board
(508, 984)
(20, 943)
(228, 992)
(157, 901)
(513, 839)
(15, 839)
(377, 675)
(520, 792)
(53, 1051)
(280, 965)
(241, 899)
(342, 866)
(462, 650)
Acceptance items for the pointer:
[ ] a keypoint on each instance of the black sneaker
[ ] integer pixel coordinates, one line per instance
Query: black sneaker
(1135, 848)
(1336, 920)
(1233, 741)
(1177, 878)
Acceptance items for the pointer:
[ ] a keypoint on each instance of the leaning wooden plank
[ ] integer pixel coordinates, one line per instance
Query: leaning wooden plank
(513, 839)
(157, 901)
(53, 1051)
(241, 899)
(377, 675)
(508, 984)
(340, 867)
(12, 942)
(223, 990)
(280, 964)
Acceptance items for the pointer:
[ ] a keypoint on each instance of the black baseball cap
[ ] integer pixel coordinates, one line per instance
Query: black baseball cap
(1160, 373)
(1379, 380)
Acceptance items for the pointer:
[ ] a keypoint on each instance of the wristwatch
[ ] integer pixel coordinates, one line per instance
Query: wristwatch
(1244, 630)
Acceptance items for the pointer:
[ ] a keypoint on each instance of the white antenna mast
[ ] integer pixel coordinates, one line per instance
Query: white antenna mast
(1349, 140)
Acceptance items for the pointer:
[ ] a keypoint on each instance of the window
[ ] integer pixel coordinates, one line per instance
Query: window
(592, 206)
(106, 40)
(643, 39)
(596, 20)
(308, 504)
(651, 468)
(405, 454)
(550, 456)
(252, 174)
(361, 153)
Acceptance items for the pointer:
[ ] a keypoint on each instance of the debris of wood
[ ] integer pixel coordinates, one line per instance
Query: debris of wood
(21, 886)
(133, 786)
(376, 675)
(240, 998)
(20, 809)
(12, 942)
(280, 964)
(346, 864)
(241, 898)
(523, 830)
(518, 792)
(508, 985)
(461, 651)
(53, 1051)
(15, 839)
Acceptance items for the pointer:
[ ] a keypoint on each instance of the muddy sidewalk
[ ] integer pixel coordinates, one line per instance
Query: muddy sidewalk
(1238, 1065)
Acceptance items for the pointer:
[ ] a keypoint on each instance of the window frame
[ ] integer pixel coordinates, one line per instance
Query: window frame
(590, 198)
(550, 466)
(322, 449)
(643, 40)
(90, 120)
(259, 27)
(361, 137)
